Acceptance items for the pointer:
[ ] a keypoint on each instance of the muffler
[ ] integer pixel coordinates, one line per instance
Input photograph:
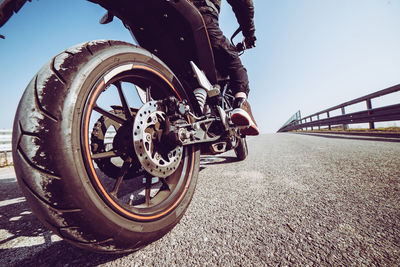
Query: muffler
(218, 147)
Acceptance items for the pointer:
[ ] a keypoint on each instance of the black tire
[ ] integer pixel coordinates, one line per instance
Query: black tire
(54, 163)
(241, 150)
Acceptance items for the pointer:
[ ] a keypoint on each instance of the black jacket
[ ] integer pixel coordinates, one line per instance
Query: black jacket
(244, 12)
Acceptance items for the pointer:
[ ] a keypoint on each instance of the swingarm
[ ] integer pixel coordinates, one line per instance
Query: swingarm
(174, 124)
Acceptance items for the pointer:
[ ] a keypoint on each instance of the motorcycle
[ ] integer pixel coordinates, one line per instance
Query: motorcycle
(108, 135)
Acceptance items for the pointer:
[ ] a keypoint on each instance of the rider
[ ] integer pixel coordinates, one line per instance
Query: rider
(227, 60)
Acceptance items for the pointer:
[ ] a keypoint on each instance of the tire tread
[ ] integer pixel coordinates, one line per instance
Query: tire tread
(54, 70)
(39, 105)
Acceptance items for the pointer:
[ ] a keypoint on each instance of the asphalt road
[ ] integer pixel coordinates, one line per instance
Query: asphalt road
(296, 200)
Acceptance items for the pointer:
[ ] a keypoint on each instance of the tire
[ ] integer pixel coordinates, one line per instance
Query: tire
(54, 161)
(241, 150)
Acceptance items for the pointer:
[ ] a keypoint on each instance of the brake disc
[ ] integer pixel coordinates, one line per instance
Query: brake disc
(152, 153)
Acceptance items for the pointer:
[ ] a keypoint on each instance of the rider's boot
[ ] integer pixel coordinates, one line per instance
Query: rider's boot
(242, 116)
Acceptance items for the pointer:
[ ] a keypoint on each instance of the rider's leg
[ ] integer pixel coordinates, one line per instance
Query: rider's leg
(227, 62)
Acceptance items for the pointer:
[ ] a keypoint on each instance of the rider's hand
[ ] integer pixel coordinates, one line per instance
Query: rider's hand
(250, 41)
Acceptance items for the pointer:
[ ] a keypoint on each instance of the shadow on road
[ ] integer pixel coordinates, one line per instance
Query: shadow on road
(215, 160)
(24, 241)
(375, 139)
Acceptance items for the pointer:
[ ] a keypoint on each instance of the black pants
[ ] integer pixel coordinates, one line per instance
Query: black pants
(226, 57)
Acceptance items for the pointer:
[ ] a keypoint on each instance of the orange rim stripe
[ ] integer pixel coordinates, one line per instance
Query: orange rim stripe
(86, 140)
(159, 75)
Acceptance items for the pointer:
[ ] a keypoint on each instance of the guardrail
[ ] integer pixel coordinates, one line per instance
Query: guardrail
(295, 117)
(369, 115)
(5, 147)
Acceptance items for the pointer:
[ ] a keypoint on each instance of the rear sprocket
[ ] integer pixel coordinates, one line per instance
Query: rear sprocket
(107, 135)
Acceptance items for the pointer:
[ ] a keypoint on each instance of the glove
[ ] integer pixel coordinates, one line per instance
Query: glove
(250, 41)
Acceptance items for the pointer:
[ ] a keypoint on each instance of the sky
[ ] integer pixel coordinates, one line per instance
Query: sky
(310, 54)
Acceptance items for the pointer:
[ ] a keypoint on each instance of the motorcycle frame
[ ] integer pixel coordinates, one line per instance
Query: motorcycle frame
(172, 30)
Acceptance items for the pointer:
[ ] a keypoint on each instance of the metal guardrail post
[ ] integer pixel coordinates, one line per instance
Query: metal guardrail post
(369, 106)
(5, 158)
(327, 115)
(345, 126)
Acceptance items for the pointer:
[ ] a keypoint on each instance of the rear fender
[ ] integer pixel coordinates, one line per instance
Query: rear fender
(174, 31)
(8, 8)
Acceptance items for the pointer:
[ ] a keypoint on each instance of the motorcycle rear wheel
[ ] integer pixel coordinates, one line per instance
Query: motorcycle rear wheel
(56, 162)
(241, 150)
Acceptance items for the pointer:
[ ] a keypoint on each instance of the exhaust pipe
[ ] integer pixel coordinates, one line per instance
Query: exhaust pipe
(218, 147)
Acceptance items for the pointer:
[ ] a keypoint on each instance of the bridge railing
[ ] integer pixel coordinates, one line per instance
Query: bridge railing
(369, 115)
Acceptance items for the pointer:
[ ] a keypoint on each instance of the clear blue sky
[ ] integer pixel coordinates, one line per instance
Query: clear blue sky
(310, 54)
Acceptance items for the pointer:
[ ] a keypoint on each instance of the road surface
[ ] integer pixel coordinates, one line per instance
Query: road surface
(296, 200)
